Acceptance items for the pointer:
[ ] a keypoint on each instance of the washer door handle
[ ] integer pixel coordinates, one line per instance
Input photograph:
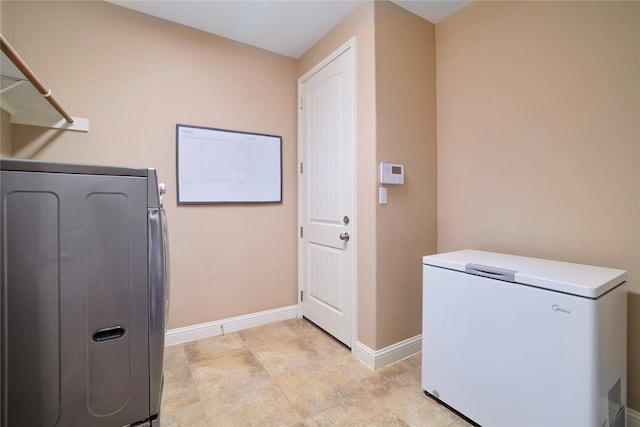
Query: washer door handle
(110, 333)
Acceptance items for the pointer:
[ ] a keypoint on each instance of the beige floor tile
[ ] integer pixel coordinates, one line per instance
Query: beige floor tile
(278, 357)
(315, 337)
(262, 405)
(291, 374)
(367, 377)
(403, 396)
(267, 334)
(188, 416)
(228, 376)
(210, 348)
(415, 361)
(460, 422)
(298, 325)
(361, 410)
(175, 356)
(179, 389)
(409, 378)
(316, 385)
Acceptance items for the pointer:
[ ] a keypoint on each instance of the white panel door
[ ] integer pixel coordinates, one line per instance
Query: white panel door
(326, 210)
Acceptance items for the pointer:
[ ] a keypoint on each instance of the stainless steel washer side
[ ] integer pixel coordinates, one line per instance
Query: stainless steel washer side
(83, 295)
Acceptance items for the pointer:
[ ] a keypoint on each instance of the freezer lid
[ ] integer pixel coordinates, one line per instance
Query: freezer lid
(576, 279)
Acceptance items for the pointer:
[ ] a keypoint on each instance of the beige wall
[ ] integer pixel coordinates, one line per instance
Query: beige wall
(135, 77)
(538, 136)
(359, 24)
(405, 133)
(5, 24)
(5, 134)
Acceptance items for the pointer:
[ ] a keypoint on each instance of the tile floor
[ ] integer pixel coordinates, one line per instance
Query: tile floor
(290, 373)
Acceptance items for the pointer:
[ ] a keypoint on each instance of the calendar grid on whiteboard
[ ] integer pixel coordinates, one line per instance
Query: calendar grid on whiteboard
(225, 166)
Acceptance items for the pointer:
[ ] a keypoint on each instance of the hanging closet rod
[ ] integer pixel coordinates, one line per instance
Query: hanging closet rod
(24, 69)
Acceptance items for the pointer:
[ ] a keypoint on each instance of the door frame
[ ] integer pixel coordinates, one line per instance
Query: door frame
(353, 241)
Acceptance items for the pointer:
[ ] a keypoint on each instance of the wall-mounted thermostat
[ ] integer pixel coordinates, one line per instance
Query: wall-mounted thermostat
(391, 173)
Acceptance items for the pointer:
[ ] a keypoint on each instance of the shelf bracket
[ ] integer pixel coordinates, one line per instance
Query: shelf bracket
(19, 115)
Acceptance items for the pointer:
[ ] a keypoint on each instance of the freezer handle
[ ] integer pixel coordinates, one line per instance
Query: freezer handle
(492, 272)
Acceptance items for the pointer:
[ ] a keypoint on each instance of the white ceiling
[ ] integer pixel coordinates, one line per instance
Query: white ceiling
(287, 27)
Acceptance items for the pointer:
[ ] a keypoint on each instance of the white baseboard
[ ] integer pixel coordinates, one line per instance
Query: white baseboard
(376, 359)
(212, 329)
(633, 418)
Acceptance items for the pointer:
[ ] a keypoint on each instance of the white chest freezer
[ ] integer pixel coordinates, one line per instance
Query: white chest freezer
(515, 341)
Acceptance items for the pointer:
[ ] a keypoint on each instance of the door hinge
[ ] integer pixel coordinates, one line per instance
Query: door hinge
(301, 296)
(301, 167)
(301, 103)
(301, 232)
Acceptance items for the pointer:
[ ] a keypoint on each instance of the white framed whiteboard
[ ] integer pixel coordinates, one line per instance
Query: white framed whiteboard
(226, 166)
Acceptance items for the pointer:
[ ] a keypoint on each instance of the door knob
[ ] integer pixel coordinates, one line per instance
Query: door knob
(345, 237)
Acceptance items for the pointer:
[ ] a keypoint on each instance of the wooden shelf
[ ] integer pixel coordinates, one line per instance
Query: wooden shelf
(27, 99)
